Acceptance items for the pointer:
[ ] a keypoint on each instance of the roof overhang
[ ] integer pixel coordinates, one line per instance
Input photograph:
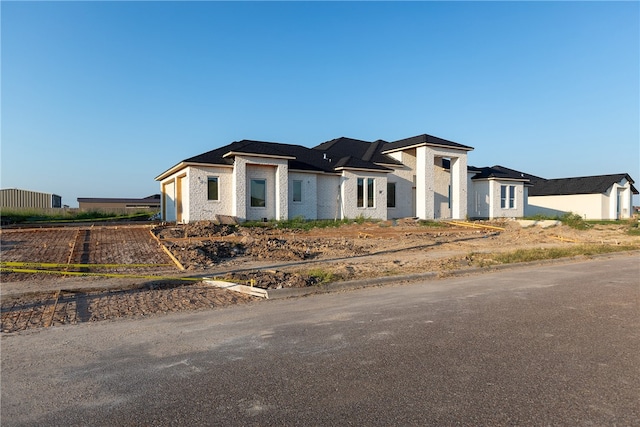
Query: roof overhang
(347, 168)
(313, 172)
(493, 178)
(183, 165)
(391, 165)
(266, 156)
(426, 144)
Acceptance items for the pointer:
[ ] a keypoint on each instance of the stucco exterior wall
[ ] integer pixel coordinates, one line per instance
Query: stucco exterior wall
(620, 200)
(308, 206)
(275, 172)
(588, 206)
(441, 183)
(405, 188)
(328, 196)
(174, 196)
(479, 199)
(426, 186)
(168, 199)
(495, 209)
(268, 173)
(202, 209)
(349, 185)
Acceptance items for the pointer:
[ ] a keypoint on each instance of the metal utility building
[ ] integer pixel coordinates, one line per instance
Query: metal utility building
(150, 202)
(16, 198)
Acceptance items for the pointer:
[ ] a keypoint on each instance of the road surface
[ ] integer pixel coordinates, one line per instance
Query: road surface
(548, 345)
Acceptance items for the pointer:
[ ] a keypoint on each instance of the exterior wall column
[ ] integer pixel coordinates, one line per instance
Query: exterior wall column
(424, 183)
(282, 191)
(459, 187)
(239, 207)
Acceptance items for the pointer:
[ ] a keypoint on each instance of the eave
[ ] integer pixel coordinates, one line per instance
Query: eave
(347, 168)
(427, 144)
(266, 156)
(183, 165)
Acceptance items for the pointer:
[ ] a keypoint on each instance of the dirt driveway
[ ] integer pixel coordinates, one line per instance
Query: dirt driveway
(107, 272)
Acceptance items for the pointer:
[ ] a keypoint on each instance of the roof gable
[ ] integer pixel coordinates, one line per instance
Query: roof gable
(424, 139)
(499, 172)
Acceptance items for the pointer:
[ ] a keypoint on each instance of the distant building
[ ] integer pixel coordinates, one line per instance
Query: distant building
(150, 202)
(16, 198)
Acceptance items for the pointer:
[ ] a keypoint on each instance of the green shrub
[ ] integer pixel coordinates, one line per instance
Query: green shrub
(537, 254)
(432, 223)
(574, 221)
(634, 228)
(321, 275)
(34, 216)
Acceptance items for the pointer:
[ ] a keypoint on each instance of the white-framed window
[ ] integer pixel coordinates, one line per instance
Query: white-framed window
(213, 188)
(512, 197)
(507, 196)
(391, 194)
(297, 190)
(368, 185)
(258, 193)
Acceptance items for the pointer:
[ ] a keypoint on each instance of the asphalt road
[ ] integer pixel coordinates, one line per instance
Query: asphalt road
(548, 345)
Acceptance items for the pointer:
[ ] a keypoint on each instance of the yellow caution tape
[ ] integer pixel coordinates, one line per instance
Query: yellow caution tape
(84, 273)
(60, 265)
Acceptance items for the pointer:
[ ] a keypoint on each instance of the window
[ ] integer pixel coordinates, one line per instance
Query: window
(370, 192)
(507, 196)
(297, 191)
(212, 188)
(391, 194)
(512, 197)
(258, 193)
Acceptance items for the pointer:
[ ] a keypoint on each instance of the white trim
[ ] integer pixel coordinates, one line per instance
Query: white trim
(426, 144)
(346, 168)
(265, 156)
(182, 165)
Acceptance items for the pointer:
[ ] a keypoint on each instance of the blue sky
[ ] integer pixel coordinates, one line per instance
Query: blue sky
(98, 98)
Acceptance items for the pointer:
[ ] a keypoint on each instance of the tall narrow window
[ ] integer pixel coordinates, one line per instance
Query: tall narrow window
(369, 202)
(297, 191)
(391, 194)
(370, 193)
(258, 193)
(212, 188)
(512, 196)
(508, 196)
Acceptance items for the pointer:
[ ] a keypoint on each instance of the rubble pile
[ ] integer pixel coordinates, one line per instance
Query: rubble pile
(203, 254)
(195, 229)
(271, 279)
(204, 244)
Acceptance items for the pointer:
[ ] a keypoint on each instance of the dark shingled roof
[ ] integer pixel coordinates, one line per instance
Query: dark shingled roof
(424, 139)
(579, 185)
(337, 153)
(305, 158)
(327, 157)
(500, 172)
(360, 154)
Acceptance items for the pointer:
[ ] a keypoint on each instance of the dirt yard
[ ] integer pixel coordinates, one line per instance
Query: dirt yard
(106, 272)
